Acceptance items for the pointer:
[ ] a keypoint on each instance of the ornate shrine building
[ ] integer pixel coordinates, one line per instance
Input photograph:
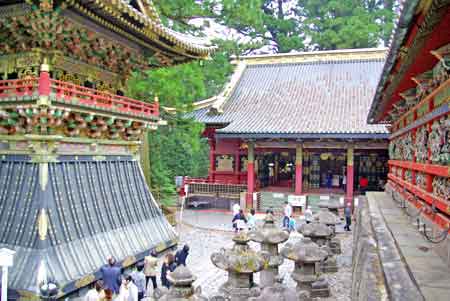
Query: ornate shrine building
(413, 97)
(72, 191)
(296, 124)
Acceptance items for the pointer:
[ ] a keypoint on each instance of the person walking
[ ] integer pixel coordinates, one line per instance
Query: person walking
(348, 216)
(150, 266)
(96, 293)
(169, 265)
(139, 280)
(181, 255)
(287, 214)
(252, 219)
(239, 221)
(111, 275)
(308, 215)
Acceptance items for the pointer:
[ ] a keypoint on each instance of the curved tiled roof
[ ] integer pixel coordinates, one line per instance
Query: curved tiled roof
(321, 96)
(146, 21)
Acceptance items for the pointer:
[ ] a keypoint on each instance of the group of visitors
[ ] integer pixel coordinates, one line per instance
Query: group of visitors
(135, 285)
(240, 221)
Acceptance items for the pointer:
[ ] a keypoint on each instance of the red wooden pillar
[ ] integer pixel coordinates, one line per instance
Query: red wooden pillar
(350, 179)
(250, 173)
(44, 80)
(212, 158)
(298, 169)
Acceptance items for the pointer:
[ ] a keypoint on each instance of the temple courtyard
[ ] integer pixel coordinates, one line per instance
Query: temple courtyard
(207, 232)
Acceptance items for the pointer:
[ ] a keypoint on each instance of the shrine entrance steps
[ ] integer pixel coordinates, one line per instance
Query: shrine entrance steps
(411, 267)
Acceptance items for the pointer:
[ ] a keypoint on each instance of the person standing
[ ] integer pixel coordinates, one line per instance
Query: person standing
(252, 219)
(111, 275)
(169, 265)
(308, 215)
(139, 280)
(181, 255)
(344, 182)
(150, 266)
(348, 216)
(128, 290)
(239, 221)
(96, 293)
(287, 214)
(363, 183)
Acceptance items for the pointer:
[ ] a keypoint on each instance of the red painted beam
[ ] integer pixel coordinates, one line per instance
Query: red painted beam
(437, 170)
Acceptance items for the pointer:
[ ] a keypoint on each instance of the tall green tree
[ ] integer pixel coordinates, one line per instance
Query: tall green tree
(341, 24)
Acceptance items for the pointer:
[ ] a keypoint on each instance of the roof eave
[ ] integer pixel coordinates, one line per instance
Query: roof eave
(397, 40)
(303, 135)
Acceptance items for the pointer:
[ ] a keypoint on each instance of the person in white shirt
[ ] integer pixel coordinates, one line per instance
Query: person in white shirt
(236, 209)
(287, 214)
(308, 215)
(128, 290)
(252, 219)
(96, 293)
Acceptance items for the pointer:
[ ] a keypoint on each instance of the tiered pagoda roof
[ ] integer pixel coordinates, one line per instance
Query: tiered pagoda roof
(322, 94)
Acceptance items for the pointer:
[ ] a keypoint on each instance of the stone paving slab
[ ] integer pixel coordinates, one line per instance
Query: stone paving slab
(427, 270)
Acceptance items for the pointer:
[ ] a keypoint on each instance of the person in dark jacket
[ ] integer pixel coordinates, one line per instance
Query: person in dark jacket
(111, 275)
(181, 255)
(169, 265)
(239, 216)
(348, 216)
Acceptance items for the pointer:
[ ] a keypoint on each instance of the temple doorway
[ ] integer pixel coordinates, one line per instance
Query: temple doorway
(276, 170)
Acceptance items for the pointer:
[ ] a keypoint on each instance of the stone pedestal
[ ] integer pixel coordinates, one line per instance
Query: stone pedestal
(333, 205)
(307, 257)
(324, 216)
(240, 262)
(181, 289)
(269, 236)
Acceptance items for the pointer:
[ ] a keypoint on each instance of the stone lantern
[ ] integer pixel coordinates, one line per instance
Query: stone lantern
(181, 288)
(240, 262)
(269, 236)
(321, 234)
(307, 256)
(332, 204)
(324, 216)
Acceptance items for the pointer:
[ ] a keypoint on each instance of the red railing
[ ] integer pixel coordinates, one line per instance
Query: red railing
(189, 180)
(18, 87)
(71, 93)
(74, 94)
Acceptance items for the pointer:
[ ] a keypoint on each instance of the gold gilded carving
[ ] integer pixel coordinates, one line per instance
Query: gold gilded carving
(27, 295)
(85, 281)
(42, 224)
(128, 261)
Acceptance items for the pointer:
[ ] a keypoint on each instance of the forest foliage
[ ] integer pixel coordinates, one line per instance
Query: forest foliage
(251, 26)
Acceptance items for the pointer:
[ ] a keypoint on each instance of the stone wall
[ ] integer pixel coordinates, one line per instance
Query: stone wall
(367, 280)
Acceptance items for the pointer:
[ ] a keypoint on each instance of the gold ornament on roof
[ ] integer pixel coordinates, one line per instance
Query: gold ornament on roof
(42, 224)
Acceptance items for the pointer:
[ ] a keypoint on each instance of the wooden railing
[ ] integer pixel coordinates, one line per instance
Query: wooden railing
(78, 95)
(18, 87)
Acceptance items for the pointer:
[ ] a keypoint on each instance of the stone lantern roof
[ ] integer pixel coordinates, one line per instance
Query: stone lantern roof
(304, 251)
(269, 232)
(315, 230)
(324, 216)
(240, 258)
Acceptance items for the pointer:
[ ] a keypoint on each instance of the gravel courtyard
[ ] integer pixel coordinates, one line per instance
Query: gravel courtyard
(204, 242)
